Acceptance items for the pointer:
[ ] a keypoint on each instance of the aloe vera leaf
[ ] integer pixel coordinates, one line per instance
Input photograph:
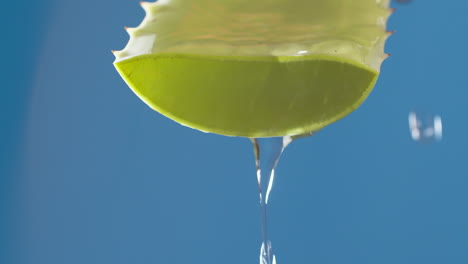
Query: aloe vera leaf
(256, 68)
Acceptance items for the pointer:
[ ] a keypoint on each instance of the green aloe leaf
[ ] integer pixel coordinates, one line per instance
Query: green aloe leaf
(256, 68)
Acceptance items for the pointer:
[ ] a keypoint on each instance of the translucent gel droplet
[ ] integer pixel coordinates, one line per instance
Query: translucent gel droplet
(425, 128)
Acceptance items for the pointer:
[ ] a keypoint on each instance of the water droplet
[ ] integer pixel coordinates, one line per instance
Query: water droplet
(424, 127)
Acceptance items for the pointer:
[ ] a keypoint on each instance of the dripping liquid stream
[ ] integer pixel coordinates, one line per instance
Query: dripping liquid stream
(267, 153)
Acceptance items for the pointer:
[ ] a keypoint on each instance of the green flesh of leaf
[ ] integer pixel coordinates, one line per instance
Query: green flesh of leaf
(256, 68)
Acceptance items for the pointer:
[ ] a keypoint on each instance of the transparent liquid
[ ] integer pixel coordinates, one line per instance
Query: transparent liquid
(425, 127)
(267, 154)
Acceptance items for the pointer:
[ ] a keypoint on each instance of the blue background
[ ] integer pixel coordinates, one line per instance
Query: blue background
(89, 174)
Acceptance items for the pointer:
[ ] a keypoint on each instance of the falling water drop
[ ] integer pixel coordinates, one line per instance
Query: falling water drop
(267, 154)
(425, 128)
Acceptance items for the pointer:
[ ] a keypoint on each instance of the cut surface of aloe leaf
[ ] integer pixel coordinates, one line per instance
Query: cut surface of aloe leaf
(256, 68)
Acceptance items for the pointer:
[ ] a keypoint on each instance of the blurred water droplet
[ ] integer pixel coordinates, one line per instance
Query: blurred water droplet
(424, 127)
